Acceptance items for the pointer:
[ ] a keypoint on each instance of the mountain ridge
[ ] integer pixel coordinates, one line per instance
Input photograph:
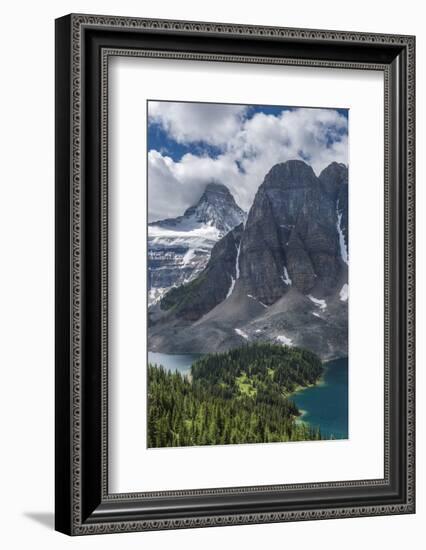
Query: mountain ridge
(179, 248)
(287, 277)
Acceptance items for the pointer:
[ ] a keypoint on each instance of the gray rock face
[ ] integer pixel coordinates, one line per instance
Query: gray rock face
(196, 298)
(282, 277)
(334, 180)
(179, 248)
(291, 228)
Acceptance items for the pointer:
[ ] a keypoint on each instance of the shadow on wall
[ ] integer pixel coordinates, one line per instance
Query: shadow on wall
(47, 519)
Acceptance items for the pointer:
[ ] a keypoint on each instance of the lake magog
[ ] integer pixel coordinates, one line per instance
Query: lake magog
(324, 405)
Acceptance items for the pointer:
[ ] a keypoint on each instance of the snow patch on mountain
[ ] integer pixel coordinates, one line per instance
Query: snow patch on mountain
(237, 263)
(256, 300)
(342, 243)
(241, 333)
(231, 288)
(155, 295)
(195, 235)
(237, 272)
(285, 340)
(286, 279)
(322, 304)
(344, 293)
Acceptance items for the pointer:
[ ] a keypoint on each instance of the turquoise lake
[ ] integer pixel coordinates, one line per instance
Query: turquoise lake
(181, 363)
(324, 406)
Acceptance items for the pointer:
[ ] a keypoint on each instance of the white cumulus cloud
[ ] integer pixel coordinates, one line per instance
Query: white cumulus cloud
(212, 123)
(249, 148)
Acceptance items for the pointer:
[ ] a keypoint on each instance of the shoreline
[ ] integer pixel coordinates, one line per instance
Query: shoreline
(304, 414)
(321, 382)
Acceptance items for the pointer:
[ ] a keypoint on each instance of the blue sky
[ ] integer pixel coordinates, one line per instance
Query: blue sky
(160, 140)
(190, 144)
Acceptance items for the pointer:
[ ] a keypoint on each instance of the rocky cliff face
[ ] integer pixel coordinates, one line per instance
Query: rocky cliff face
(191, 301)
(292, 229)
(179, 248)
(334, 181)
(282, 277)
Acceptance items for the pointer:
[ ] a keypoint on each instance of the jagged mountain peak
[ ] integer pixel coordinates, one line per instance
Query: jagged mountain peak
(214, 188)
(337, 165)
(281, 276)
(216, 207)
(179, 248)
(290, 173)
(213, 192)
(333, 177)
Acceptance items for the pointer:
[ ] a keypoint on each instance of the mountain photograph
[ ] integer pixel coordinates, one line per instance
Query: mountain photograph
(248, 264)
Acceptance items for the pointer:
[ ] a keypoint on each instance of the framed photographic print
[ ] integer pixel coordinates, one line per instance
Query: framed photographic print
(234, 274)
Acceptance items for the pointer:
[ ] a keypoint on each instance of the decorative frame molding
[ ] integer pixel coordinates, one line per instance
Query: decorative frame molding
(84, 44)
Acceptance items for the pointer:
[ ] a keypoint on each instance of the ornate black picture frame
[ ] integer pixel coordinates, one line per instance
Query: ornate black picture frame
(83, 45)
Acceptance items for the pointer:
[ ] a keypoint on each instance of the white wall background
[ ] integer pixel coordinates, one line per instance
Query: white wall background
(26, 289)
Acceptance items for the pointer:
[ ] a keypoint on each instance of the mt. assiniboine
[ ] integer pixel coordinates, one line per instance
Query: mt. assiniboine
(280, 276)
(179, 248)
